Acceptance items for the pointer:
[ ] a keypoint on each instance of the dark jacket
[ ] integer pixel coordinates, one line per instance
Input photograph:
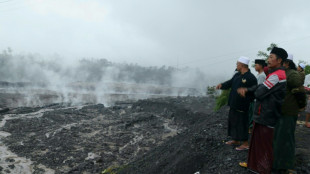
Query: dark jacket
(302, 75)
(293, 80)
(239, 80)
(269, 98)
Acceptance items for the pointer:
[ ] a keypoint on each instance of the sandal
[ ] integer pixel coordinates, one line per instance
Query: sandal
(232, 142)
(242, 147)
(243, 164)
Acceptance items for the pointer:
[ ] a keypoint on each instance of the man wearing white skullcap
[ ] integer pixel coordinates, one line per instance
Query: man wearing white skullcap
(238, 123)
(244, 60)
(269, 97)
(301, 67)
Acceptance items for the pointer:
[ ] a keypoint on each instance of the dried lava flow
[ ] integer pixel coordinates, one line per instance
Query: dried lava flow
(163, 135)
(12, 162)
(89, 138)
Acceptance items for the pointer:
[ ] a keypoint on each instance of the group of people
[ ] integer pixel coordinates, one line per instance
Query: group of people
(267, 106)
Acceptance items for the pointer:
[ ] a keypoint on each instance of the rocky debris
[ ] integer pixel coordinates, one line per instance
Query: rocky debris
(200, 148)
(3, 110)
(162, 135)
(90, 138)
(302, 137)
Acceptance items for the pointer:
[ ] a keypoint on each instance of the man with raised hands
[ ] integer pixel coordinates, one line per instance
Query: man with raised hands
(238, 121)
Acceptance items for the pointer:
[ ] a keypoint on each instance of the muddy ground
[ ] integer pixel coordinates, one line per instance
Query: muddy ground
(163, 135)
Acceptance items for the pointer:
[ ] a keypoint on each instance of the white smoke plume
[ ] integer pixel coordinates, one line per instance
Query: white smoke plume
(40, 81)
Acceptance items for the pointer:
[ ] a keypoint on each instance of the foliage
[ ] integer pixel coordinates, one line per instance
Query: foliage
(265, 55)
(110, 170)
(113, 169)
(307, 69)
(262, 54)
(222, 100)
(210, 90)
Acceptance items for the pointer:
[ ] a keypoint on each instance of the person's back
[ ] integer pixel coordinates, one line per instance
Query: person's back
(303, 76)
(284, 134)
(290, 106)
(300, 68)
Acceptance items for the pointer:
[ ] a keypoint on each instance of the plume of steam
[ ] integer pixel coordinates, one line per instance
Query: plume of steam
(93, 80)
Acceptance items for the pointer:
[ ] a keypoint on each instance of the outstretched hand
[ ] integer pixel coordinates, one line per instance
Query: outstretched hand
(219, 86)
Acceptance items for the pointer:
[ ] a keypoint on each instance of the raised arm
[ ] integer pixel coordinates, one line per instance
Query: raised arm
(227, 84)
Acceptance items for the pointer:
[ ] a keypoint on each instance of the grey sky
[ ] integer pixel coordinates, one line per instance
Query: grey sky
(198, 33)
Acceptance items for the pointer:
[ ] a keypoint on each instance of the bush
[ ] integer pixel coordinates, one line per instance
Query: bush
(222, 100)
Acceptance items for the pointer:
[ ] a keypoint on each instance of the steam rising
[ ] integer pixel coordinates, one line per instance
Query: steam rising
(39, 81)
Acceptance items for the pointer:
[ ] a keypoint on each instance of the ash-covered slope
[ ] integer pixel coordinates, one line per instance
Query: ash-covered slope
(163, 135)
(90, 138)
(199, 148)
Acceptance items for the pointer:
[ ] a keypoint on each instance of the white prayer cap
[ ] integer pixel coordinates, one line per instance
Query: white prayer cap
(302, 65)
(290, 57)
(244, 60)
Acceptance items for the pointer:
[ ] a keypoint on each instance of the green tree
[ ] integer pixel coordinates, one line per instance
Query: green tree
(307, 69)
(265, 55)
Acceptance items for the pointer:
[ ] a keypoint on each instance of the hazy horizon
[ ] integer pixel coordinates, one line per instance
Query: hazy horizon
(210, 35)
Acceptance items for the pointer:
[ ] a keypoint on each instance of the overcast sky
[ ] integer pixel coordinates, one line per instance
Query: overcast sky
(209, 34)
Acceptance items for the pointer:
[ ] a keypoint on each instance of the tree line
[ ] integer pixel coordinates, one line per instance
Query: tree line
(33, 68)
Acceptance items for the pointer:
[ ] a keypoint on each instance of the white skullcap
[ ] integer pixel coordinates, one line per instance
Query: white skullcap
(244, 60)
(290, 57)
(302, 65)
